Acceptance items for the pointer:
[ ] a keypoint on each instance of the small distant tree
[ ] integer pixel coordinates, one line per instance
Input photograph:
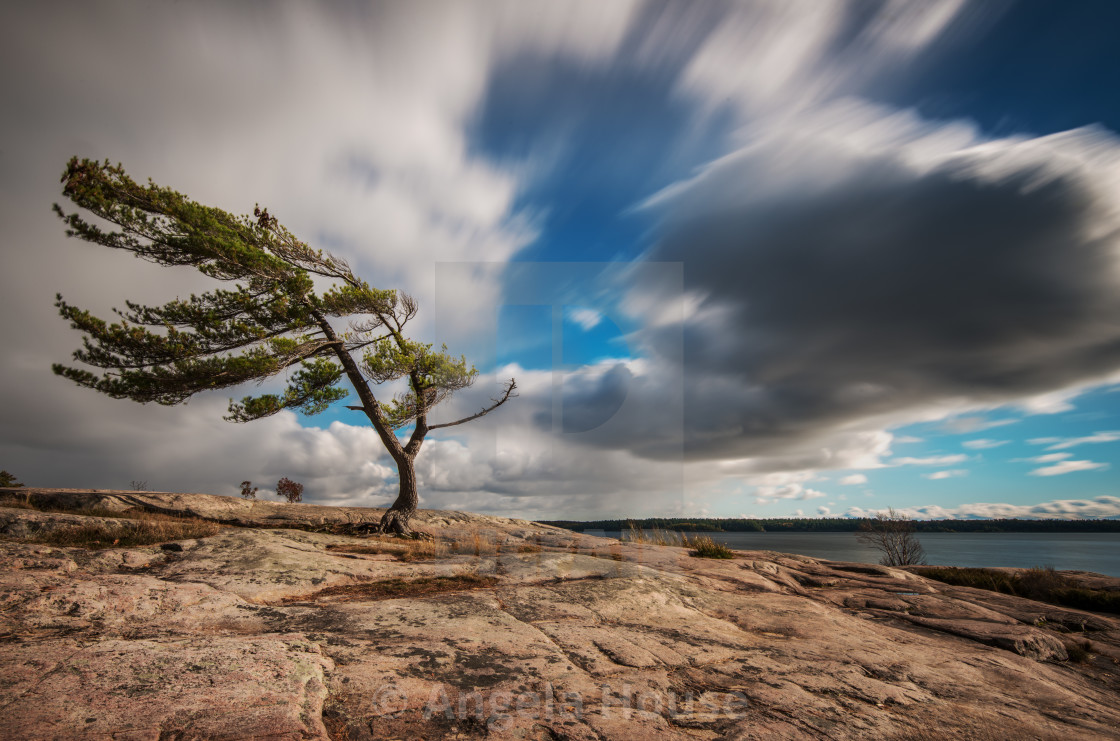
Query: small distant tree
(290, 490)
(279, 314)
(8, 481)
(893, 536)
(248, 491)
(136, 485)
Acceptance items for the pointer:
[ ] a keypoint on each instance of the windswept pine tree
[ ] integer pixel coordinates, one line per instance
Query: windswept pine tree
(271, 319)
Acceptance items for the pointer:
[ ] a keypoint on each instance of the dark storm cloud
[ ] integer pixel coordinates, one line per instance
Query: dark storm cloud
(987, 274)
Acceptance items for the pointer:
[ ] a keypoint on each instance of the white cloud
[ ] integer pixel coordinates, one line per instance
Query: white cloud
(1048, 458)
(585, 318)
(1060, 443)
(824, 511)
(1063, 509)
(933, 460)
(1065, 467)
(1051, 402)
(968, 424)
(783, 485)
(984, 444)
(775, 57)
(949, 474)
(360, 142)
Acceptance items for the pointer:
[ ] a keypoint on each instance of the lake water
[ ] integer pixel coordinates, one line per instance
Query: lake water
(1099, 552)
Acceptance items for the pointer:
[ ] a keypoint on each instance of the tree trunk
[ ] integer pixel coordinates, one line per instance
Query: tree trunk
(395, 519)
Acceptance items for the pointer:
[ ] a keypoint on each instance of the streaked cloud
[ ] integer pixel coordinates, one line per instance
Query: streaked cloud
(841, 279)
(1063, 467)
(585, 318)
(948, 474)
(968, 424)
(1048, 458)
(1060, 443)
(984, 444)
(1062, 509)
(934, 460)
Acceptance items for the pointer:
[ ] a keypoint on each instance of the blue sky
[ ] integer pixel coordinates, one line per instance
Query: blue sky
(744, 258)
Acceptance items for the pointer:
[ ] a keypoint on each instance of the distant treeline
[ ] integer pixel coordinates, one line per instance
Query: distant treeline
(840, 525)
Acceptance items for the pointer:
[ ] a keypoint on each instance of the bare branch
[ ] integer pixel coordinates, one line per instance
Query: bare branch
(507, 394)
(408, 308)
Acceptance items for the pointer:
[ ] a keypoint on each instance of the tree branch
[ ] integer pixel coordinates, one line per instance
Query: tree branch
(508, 394)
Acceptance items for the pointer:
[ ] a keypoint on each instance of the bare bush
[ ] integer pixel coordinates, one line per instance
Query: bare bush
(893, 536)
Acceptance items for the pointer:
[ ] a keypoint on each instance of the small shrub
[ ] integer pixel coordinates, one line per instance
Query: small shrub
(248, 491)
(993, 581)
(1080, 651)
(529, 548)
(705, 547)
(289, 490)
(7, 480)
(1040, 584)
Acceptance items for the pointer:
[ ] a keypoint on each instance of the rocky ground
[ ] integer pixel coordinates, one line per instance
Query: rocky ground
(503, 629)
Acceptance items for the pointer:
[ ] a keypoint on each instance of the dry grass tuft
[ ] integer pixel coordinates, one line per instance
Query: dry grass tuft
(476, 544)
(656, 536)
(141, 528)
(704, 547)
(423, 550)
(395, 588)
(1080, 651)
(1042, 584)
(401, 549)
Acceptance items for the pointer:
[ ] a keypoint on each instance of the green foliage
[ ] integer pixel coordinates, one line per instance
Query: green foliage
(434, 376)
(7, 480)
(311, 390)
(289, 490)
(276, 317)
(271, 320)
